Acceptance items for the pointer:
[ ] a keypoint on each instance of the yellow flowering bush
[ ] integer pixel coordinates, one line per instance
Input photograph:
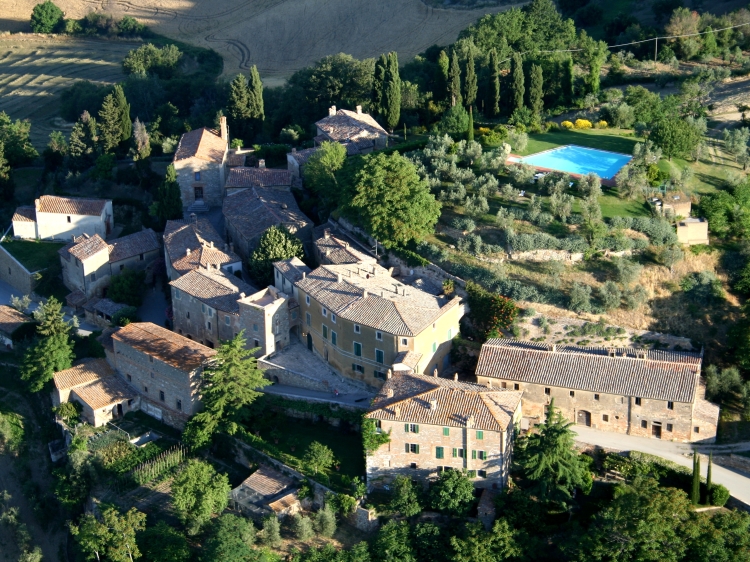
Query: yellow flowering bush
(484, 130)
(602, 124)
(567, 125)
(582, 124)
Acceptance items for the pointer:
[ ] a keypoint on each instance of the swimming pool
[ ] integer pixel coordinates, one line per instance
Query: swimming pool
(579, 160)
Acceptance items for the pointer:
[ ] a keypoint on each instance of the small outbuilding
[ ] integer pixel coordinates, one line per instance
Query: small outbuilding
(692, 231)
(266, 491)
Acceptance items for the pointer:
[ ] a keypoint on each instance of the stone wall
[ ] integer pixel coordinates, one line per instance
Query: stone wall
(736, 462)
(281, 375)
(15, 274)
(558, 255)
(211, 180)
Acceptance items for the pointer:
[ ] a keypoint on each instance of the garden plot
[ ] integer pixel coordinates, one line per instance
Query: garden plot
(34, 70)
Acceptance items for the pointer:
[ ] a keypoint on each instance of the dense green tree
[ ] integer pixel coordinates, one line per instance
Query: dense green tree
(391, 102)
(724, 384)
(46, 17)
(568, 80)
(230, 539)
(455, 121)
(518, 89)
(593, 55)
(112, 536)
(378, 83)
(393, 543)
(405, 498)
(454, 80)
(150, 59)
(255, 91)
(7, 185)
(695, 488)
(302, 527)
(325, 521)
(275, 244)
(198, 493)
(230, 383)
(476, 544)
(470, 83)
(675, 136)
(548, 458)
(470, 126)
(238, 107)
(15, 138)
(318, 457)
(83, 145)
(494, 99)
(270, 535)
(127, 287)
(452, 493)
(441, 76)
(168, 203)
(430, 542)
(536, 90)
(391, 201)
(490, 312)
(320, 174)
(50, 319)
(163, 543)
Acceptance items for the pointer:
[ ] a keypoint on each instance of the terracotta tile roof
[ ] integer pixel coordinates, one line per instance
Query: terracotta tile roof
(455, 403)
(292, 269)
(234, 159)
(85, 247)
(214, 288)
(104, 392)
(24, 214)
(70, 205)
(76, 298)
(252, 211)
(11, 319)
(354, 147)
(204, 144)
(408, 358)
(85, 372)
(105, 306)
(302, 156)
(133, 245)
(660, 375)
(350, 125)
(338, 248)
(284, 502)
(181, 236)
(368, 295)
(258, 177)
(155, 341)
(267, 482)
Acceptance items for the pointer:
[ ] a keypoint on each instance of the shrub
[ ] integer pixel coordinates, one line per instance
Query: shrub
(128, 287)
(582, 124)
(325, 521)
(464, 224)
(580, 298)
(476, 206)
(46, 17)
(635, 297)
(602, 124)
(610, 295)
(719, 495)
(302, 527)
(271, 534)
(567, 125)
(149, 58)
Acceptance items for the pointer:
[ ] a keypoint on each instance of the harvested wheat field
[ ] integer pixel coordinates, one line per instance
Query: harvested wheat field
(34, 69)
(281, 36)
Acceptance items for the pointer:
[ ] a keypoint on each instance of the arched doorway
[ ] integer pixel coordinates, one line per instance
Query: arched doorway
(584, 418)
(309, 341)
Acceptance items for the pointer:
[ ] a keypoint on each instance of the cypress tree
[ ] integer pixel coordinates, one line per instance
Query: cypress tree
(238, 106)
(695, 492)
(255, 92)
(441, 76)
(494, 102)
(536, 90)
(454, 80)
(392, 93)
(7, 187)
(709, 484)
(471, 81)
(168, 204)
(110, 119)
(82, 146)
(126, 125)
(518, 82)
(378, 83)
(470, 128)
(568, 80)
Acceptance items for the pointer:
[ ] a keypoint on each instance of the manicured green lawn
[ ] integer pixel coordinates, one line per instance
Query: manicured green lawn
(34, 255)
(604, 139)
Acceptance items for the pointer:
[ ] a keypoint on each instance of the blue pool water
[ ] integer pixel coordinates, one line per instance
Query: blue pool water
(579, 160)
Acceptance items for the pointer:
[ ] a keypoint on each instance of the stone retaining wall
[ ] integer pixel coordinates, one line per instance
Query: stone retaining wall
(15, 274)
(278, 374)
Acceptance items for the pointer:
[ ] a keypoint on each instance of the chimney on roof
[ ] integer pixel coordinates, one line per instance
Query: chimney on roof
(359, 110)
(339, 278)
(187, 252)
(193, 218)
(223, 128)
(389, 393)
(641, 354)
(294, 151)
(211, 244)
(261, 163)
(242, 295)
(397, 412)
(470, 420)
(327, 233)
(435, 372)
(553, 347)
(433, 404)
(455, 376)
(304, 274)
(389, 374)
(328, 253)
(364, 294)
(612, 352)
(332, 111)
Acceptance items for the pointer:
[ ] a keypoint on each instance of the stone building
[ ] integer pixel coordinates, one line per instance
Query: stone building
(163, 367)
(205, 307)
(438, 424)
(296, 160)
(648, 393)
(267, 317)
(250, 212)
(88, 263)
(692, 231)
(191, 244)
(245, 177)
(63, 218)
(95, 386)
(673, 204)
(200, 163)
(102, 312)
(361, 320)
(10, 321)
(287, 273)
(264, 492)
(332, 246)
(358, 131)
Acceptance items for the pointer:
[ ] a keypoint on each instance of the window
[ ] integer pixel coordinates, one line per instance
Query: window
(187, 314)
(307, 299)
(140, 257)
(197, 176)
(439, 452)
(122, 266)
(434, 346)
(357, 349)
(380, 375)
(325, 312)
(404, 341)
(481, 455)
(446, 431)
(176, 292)
(411, 448)
(696, 429)
(325, 332)
(308, 319)
(379, 425)
(458, 453)
(644, 424)
(69, 220)
(208, 325)
(357, 329)
(669, 427)
(596, 397)
(255, 326)
(294, 315)
(411, 428)
(151, 360)
(379, 336)
(379, 356)
(482, 473)
(358, 368)
(572, 393)
(637, 401)
(450, 333)
(130, 379)
(480, 434)
(334, 338)
(605, 418)
(547, 391)
(516, 386)
(93, 276)
(145, 389)
(413, 465)
(227, 320)
(333, 317)
(203, 308)
(256, 343)
(179, 405)
(670, 405)
(152, 374)
(503, 385)
(161, 395)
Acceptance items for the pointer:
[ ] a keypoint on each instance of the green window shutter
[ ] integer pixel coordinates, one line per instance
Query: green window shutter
(417, 451)
(439, 452)
(474, 455)
(406, 447)
(446, 431)
(406, 427)
(480, 434)
(455, 451)
(416, 429)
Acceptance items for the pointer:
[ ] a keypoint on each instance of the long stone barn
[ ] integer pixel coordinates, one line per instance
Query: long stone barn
(649, 393)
